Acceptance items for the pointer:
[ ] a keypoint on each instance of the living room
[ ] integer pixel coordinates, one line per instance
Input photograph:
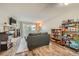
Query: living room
(39, 29)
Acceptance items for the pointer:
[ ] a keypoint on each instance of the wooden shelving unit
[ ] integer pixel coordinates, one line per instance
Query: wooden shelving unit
(68, 35)
(71, 28)
(56, 35)
(6, 35)
(5, 41)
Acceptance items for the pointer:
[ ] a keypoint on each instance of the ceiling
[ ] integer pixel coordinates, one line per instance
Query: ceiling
(31, 12)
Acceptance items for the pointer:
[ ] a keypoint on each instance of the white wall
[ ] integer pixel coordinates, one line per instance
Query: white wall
(3, 19)
(51, 13)
(72, 12)
(1, 22)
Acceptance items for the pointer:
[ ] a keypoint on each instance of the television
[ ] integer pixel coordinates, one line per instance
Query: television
(12, 20)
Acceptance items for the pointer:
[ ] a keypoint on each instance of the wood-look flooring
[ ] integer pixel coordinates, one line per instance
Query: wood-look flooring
(50, 50)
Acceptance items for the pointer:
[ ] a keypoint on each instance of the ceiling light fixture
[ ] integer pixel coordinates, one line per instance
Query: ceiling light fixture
(66, 4)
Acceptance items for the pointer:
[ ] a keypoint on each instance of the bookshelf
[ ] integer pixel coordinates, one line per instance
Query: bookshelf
(70, 33)
(56, 35)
